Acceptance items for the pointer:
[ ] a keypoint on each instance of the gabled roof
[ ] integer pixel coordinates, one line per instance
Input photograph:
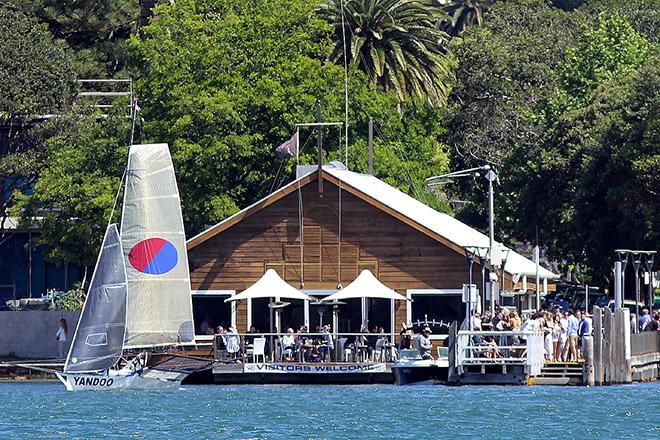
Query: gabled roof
(440, 226)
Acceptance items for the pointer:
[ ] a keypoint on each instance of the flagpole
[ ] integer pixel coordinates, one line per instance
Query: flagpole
(297, 147)
(343, 35)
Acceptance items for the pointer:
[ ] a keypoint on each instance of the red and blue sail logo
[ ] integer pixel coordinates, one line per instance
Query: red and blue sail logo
(154, 256)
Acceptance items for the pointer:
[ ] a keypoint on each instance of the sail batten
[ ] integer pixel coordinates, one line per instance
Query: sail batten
(159, 306)
(98, 341)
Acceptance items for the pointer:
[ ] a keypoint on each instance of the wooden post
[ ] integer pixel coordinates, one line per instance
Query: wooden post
(598, 345)
(626, 362)
(588, 353)
(451, 351)
(607, 346)
(371, 145)
(319, 144)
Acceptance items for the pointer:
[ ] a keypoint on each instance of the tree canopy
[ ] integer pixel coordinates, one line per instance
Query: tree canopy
(564, 104)
(561, 96)
(29, 93)
(397, 43)
(225, 82)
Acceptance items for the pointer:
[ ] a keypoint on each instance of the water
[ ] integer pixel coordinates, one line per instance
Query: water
(44, 410)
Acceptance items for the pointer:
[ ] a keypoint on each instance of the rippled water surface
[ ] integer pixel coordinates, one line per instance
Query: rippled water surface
(45, 410)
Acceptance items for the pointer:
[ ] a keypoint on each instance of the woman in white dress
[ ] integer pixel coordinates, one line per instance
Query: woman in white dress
(60, 337)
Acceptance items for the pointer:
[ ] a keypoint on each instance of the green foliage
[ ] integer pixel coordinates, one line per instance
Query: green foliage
(71, 300)
(36, 79)
(610, 49)
(74, 195)
(595, 169)
(506, 74)
(96, 29)
(464, 13)
(565, 104)
(224, 82)
(395, 42)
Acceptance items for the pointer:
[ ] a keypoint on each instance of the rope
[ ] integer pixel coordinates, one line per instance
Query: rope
(339, 242)
(300, 210)
(343, 35)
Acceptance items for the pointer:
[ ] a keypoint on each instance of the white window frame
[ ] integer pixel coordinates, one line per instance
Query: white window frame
(316, 293)
(206, 293)
(430, 292)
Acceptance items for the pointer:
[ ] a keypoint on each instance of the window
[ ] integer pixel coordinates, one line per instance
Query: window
(435, 304)
(211, 310)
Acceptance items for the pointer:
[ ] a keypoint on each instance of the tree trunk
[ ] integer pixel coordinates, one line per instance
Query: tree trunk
(84, 280)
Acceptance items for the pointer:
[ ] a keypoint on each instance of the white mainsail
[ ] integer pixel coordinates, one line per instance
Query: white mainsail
(159, 304)
(98, 341)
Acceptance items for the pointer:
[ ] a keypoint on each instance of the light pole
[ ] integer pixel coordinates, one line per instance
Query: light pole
(494, 254)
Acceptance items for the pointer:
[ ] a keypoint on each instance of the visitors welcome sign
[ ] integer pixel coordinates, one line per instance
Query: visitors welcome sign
(314, 368)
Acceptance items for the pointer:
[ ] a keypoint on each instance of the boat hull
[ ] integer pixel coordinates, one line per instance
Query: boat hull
(147, 379)
(419, 373)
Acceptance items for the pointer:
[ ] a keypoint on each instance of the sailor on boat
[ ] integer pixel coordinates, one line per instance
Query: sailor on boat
(425, 345)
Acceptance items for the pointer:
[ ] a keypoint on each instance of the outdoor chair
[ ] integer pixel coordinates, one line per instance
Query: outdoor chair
(259, 349)
(341, 342)
(379, 352)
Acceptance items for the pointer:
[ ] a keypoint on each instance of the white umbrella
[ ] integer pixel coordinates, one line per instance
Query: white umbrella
(366, 285)
(270, 285)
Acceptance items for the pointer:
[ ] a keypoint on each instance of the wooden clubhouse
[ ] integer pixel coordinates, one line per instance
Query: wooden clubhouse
(350, 222)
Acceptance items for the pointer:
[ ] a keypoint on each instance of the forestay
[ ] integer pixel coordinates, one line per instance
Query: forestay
(159, 307)
(98, 341)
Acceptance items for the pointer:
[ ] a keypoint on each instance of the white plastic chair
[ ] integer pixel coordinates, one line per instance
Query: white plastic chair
(340, 349)
(259, 349)
(378, 350)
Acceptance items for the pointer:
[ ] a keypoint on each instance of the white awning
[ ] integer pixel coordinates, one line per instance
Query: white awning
(366, 285)
(270, 285)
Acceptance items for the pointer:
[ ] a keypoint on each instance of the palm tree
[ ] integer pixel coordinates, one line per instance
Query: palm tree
(396, 42)
(463, 13)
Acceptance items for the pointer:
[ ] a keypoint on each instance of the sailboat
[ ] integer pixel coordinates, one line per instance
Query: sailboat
(139, 297)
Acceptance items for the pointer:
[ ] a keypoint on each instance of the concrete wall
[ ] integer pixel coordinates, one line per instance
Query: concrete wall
(31, 334)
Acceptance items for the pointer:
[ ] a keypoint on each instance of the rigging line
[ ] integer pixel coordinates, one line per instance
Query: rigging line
(343, 36)
(339, 240)
(361, 55)
(300, 207)
(272, 186)
(134, 116)
(114, 205)
(284, 176)
(301, 234)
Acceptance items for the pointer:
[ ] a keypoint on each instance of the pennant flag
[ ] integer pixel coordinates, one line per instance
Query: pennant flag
(288, 148)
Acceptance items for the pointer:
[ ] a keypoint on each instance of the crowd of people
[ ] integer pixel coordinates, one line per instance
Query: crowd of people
(562, 332)
(648, 322)
(302, 345)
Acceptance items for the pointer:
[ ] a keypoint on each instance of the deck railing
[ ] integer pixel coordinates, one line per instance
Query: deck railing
(645, 343)
(517, 348)
(335, 346)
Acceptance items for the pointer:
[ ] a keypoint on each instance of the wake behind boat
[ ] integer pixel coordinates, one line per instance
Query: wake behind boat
(139, 297)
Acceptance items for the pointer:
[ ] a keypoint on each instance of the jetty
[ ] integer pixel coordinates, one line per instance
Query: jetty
(612, 355)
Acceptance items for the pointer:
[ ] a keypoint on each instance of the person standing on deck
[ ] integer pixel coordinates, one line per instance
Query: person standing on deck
(644, 320)
(654, 325)
(572, 332)
(60, 337)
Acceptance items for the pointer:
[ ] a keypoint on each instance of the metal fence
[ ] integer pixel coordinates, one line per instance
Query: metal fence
(645, 343)
(495, 347)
